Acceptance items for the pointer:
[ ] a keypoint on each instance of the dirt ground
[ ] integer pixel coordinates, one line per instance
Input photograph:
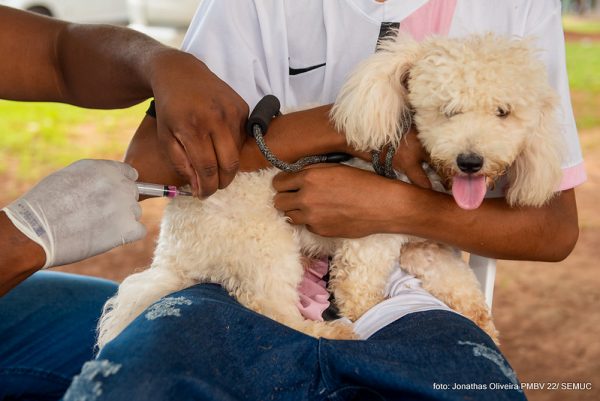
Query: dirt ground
(548, 312)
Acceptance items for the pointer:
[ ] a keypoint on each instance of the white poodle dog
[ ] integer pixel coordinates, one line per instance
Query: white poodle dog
(483, 108)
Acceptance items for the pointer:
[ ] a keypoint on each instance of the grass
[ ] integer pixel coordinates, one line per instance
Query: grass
(36, 138)
(577, 24)
(583, 66)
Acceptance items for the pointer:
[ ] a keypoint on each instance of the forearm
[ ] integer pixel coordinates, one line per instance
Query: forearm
(290, 137)
(494, 230)
(102, 66)
(293, 136)
(96, 66)
(19, 256)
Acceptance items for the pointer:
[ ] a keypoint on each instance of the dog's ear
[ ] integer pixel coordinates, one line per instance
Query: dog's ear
(535, 176)
(372, 108)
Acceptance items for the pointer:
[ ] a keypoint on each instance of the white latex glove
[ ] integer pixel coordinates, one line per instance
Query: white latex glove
(80, 211)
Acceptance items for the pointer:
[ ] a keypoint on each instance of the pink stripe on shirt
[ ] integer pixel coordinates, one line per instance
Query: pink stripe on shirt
(433, 18)
(572, 177)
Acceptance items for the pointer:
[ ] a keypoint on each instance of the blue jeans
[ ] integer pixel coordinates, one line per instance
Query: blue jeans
(47, 332)
(200, 344)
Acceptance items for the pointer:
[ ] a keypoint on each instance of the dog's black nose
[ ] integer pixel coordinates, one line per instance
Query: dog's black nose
(469, 163)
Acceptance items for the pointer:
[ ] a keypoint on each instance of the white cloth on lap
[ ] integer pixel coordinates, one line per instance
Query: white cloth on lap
(406, 296)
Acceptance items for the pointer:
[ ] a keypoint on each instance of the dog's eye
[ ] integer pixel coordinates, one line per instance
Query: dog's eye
(451, 113)
(502, 112)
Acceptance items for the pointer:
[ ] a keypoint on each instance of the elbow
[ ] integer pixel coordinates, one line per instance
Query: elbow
(570, 241)
(561, 246)
(561, 227)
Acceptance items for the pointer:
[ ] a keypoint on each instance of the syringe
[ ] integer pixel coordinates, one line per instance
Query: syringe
(168, 191)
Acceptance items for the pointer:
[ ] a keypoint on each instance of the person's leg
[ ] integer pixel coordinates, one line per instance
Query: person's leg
(200, 344)
(47, 332)
(432, 355)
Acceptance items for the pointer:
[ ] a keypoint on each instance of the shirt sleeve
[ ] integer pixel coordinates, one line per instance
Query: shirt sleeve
(544, 24)
(228, 40)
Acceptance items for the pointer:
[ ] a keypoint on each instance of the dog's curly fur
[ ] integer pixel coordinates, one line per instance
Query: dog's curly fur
(453, 89)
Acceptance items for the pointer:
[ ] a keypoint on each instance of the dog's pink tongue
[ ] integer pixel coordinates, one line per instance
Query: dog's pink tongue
(468, 190)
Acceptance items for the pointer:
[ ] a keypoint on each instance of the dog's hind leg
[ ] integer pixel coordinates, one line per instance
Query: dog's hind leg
(360, 270)
(447, 277)
(136, 293)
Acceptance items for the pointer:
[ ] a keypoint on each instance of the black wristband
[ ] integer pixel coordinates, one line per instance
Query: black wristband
(151, 110)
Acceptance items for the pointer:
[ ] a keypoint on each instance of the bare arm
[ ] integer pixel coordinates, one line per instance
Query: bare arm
(200, 118)
(347, 202)
(291, 137)
(548, 233)
(87, 65)
(19, 256)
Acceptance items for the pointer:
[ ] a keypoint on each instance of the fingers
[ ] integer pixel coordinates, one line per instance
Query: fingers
(228, 156)
(290, 198)
(137, 211)
(289, 204)
(409, 158)
(201, 153)
(296, 217)
(287, 182)
(137, 232)
(208, 161)
(128, 171)
(179, 159)
(286, 201)
(417, 176)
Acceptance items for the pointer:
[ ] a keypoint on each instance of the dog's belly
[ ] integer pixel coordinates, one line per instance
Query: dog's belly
(229, 233)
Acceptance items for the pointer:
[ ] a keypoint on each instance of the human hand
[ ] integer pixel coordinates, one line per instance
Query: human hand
(80, 211)
(408, 158)
(200, 121)
(336, 200)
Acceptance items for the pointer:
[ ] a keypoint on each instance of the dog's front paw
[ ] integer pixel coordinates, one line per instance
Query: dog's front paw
(340, 330)
(333, 330)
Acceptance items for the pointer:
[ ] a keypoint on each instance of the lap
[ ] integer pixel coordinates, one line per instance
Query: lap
(199, 343)
(47, 332)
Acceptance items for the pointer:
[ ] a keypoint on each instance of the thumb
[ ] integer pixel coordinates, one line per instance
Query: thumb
(417, 176)
(136, 233)
(125, 169)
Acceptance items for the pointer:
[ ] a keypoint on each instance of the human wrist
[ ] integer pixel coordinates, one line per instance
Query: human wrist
(161, 63)
(310, 131)
(19, 253)
(294, 136)
(408, 212)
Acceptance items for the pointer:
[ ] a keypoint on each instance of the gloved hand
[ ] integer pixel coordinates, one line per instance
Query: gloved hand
(80, 211)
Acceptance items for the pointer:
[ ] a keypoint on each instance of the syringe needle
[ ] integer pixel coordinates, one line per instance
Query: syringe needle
(159, 190)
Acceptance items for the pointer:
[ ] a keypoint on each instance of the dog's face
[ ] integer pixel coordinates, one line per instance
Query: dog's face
(476, 102)
(483, 108)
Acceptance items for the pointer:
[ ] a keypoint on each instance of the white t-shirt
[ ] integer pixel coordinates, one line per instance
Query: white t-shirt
(302, 51)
